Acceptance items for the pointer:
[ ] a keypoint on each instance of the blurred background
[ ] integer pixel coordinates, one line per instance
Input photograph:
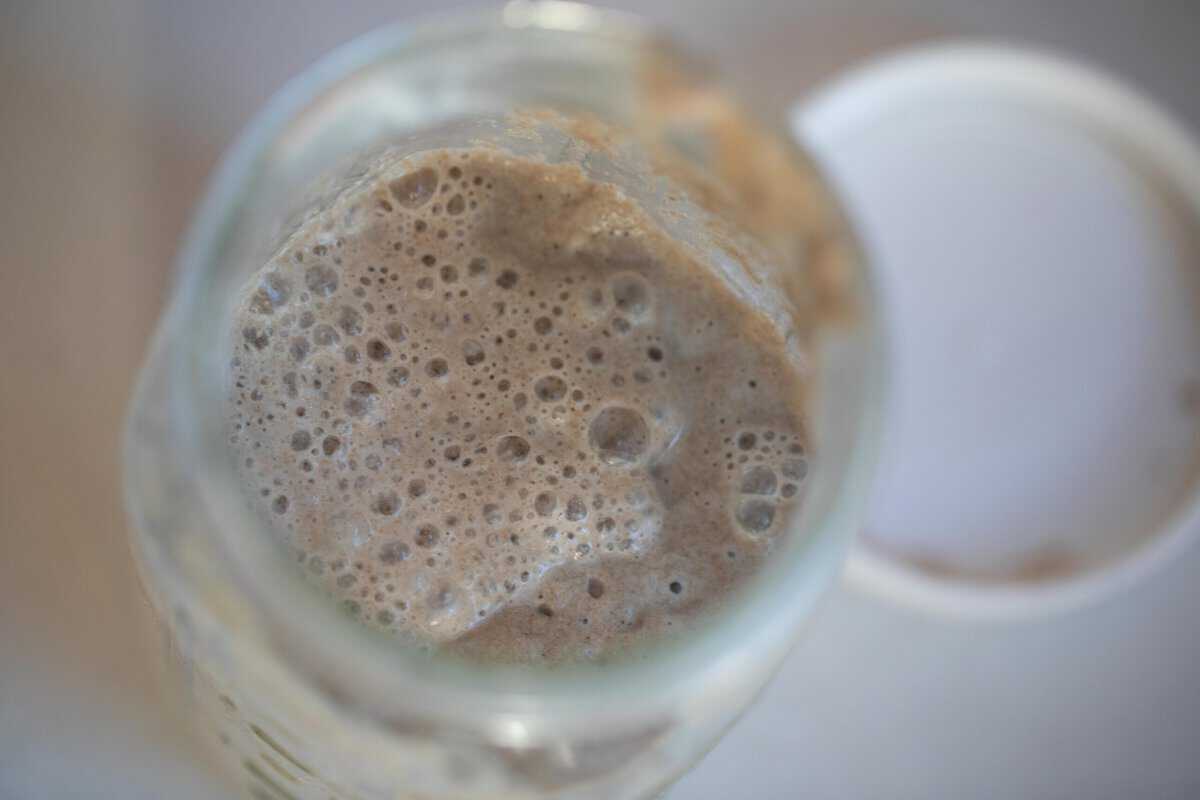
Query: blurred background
(113, 113)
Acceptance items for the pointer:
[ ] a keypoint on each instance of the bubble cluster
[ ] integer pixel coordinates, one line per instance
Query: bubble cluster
(464, 414)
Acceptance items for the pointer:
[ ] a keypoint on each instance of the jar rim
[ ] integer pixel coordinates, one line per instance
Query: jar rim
(766, 615)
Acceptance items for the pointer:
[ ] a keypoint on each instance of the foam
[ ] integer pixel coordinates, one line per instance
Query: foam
(494, 408)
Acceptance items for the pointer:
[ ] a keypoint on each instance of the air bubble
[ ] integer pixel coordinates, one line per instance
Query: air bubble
(301, 440)
(746, 441)
(576, 509)
(550, 388)
(414, 189)
(391, 553)
(437, 368)
(397, 376)
(758, 480)
(545, 503)
(416, 488)
(618, 435)
(386, 504)
(324, 335)
(630, 294)
(543, 325)
(477, 266)
(472, 352)
(512, 449)
(755, 516)
(507, 280)
(595, 588)
(299, 349)
(456, 205)
(595, 355)
(427, 536)
(378, 351)
(449, 273)
(330, 445)
(350, 321)
(362, 395)
(321, 280)
(255, 338)
(273, 292)
(395, 331)
(796, 469)
(789, 490)
(280, 505)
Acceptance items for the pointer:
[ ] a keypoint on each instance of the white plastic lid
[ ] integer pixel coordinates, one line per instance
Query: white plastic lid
(1035, 230)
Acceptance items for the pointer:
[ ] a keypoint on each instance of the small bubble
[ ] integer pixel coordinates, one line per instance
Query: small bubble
(255, 338)
(456, 205)
(395, 331)
(273, 292)
(386, 504)
(595, 588)
(550, 388)
(795, 468)
(414, 189)
(507, 280)
(280, 505)
(655, 354)
(449, 273)
(755, 516)
(299, 349)
(477, 266)
(330, 445)
(746, 441)
(576, 509)
(378, 351)
(301, 440)
(397, 376)
(391, 553)
(437, 368)
(350, 321)
(472, 352)
(630, 294)
(416, 488)
(512, 449)
(758, 480)
(545, 503)
(324, 335)
(618, 435)
(321, 280)
(595, 355)
(789, 490)
(543, 325)
(427, 536)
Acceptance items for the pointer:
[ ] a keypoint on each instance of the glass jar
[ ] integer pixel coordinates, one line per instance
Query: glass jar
(300, 702)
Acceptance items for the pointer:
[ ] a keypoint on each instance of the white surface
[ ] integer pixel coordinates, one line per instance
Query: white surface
(875, 703)
(1036, 231)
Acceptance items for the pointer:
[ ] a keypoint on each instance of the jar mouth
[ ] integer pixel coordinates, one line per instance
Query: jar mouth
(308, 632)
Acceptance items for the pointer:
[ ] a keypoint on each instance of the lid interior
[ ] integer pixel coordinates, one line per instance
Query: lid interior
(1035, 233)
